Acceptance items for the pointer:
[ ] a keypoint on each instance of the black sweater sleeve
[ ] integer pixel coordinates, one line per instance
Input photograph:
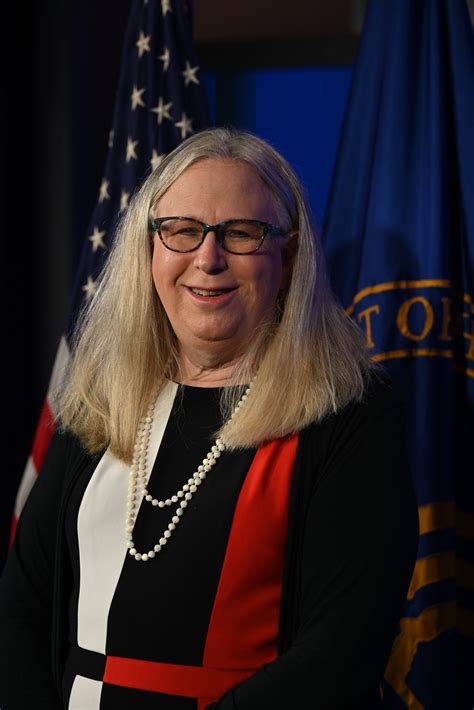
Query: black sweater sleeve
(359, 549)
(26, 592)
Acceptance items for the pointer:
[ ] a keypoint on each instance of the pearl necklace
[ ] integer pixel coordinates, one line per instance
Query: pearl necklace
(138, 477)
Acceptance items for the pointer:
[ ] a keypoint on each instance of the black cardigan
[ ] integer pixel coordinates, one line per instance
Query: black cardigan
(350, 554)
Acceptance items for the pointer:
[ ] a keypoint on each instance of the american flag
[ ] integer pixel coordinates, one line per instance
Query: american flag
(160, 101)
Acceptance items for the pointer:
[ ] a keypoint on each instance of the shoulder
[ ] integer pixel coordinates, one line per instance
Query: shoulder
(381, 398)
(381, 392)
(363, 433)
(64, 456)
(66, 445)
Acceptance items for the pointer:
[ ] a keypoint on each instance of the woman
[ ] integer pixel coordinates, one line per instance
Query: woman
(225, 519)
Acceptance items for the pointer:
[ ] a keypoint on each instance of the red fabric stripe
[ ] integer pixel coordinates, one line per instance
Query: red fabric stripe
(243, 628)
(43, 434)
(189, 681)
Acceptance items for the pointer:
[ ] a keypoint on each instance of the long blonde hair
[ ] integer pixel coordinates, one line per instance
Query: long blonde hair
(310, 357)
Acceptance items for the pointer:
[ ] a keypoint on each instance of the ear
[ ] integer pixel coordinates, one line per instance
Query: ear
(288, 254)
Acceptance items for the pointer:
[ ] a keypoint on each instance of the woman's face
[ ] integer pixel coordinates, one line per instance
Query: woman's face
(214, 190)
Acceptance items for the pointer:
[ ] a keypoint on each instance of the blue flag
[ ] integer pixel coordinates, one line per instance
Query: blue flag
(399, 236)
(160, 101)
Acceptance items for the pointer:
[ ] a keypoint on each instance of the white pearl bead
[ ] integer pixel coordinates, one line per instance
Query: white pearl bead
(157, 548)
(175, 519)
(161, 504)
(193, 489)
(171, 526)
(154, 502)
(188, 496)
(138, 556)
(168, 501)
(163, 541)
(180, 512)
(133, 551)
(144, 557)
(148, 497)
(174, 499)
(167, 534)
(151, 554)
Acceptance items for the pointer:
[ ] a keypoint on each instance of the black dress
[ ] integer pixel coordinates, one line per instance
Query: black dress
(349, 554)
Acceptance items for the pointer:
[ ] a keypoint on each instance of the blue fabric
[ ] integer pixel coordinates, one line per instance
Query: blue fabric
(399, 238)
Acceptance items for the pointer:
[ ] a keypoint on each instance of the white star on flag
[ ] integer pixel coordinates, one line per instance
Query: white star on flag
(190, 74)
(165, 6)
(104, 190)
(124, 200)
(143, 44)
(131, 145)
(136, 97)
(165, 58)
(162, 110)
(156, 159)
(185, 124)
(97, 239)
(90, 288)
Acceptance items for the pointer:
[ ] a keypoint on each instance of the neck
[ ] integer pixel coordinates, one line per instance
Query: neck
(202, 371)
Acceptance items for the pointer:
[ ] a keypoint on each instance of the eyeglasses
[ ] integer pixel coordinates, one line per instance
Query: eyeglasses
(237, 236)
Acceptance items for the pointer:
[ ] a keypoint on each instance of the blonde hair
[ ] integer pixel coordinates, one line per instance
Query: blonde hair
(310, 357)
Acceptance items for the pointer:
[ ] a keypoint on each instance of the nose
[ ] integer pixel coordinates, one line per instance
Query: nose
(210, 257)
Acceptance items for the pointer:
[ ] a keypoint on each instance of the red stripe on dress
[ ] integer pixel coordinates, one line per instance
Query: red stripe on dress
(243, 628)
(170, 678)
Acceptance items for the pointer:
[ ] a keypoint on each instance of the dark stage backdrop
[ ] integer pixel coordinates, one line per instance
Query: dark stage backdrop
(59, 110)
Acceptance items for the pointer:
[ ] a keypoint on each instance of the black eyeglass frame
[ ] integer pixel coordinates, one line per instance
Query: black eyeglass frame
(155, 226)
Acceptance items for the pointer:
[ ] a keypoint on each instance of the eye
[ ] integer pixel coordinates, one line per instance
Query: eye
(237, 234)
(188, 231)
(243, 231)
(181, 228)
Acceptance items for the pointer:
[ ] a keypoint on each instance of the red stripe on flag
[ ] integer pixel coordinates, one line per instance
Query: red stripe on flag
(43, 434)
(13, 525)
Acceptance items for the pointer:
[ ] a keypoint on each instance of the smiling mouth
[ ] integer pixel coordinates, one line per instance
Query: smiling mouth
(205, 292)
